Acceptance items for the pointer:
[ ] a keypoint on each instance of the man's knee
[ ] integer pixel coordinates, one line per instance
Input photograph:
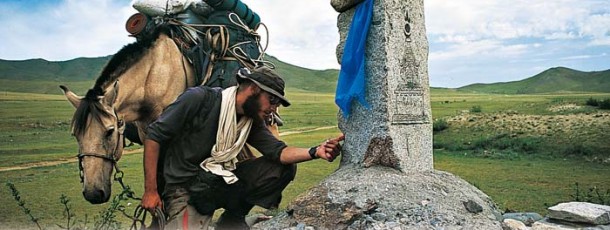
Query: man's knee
(175, 201)
(189, 218)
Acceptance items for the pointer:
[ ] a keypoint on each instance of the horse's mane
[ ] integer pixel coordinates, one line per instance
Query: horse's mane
(127, 57)
(116, 66)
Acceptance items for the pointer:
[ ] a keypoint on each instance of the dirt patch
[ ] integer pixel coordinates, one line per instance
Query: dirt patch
(305, 131)
(564, 107)
(72, 160)
(574, 124)
(53, 163)
(580, 135)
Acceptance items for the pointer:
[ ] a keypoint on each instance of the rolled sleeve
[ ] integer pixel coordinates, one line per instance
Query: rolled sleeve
(263, 140)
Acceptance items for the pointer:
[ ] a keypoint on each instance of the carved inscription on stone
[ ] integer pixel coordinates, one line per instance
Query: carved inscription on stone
(409, 106)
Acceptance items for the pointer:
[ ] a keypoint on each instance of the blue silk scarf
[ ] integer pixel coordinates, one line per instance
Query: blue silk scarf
(351, 83)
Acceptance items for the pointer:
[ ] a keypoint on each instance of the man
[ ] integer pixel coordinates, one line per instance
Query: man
(195, 143)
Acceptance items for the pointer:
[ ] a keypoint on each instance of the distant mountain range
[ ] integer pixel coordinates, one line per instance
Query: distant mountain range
(42, 76)
(558, 79)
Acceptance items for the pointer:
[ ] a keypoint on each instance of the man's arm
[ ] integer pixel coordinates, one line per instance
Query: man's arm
(151, 198)
(328, 150)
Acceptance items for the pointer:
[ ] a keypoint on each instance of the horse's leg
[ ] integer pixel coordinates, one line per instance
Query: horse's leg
(141, 129)
(132, 133)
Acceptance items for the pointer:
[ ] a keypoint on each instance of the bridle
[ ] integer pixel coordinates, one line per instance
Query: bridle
(112, 157)
(139, 215)
(118, 148)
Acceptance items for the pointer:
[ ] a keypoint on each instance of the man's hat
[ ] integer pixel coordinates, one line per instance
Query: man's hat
(265, 78)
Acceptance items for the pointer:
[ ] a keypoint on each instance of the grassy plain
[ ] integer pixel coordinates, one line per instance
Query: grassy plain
(35, 128)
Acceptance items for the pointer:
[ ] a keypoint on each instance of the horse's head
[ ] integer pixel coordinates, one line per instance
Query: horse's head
(99, 133)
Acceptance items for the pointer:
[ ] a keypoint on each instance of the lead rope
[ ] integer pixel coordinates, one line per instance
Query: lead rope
(137, 221)
(139, 215)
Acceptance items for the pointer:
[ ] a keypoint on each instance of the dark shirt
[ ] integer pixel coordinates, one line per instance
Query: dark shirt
(186, 131)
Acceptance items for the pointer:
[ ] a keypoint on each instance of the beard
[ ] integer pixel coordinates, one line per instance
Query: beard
(252, 107)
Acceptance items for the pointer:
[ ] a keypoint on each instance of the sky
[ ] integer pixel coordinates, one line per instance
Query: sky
(470, 41)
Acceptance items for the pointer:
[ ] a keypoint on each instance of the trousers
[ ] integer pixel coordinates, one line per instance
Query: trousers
(261, 182)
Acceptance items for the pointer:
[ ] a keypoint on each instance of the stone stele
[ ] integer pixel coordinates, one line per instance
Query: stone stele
(386, 178)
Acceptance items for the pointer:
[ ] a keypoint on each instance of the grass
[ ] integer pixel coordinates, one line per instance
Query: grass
(43, 86)
(42, 188)
(63, 179)
(448, 102)
(525, 184)
(35, 128)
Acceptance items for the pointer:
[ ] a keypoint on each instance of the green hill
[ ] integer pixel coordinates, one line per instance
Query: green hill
(306, 79)
(558, 79)
(80, 69)
(42, 76)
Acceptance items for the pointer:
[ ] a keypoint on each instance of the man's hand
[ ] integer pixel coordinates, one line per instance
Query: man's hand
(151, 200)
(330, 149)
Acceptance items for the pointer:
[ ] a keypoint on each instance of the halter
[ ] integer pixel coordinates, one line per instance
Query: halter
(112, 158)
(137, 218)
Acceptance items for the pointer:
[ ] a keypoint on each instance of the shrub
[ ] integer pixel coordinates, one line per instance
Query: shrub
(578, 149)
(604, 104)
(592, 102)
(507, 144)
(476, 109)
(22, 204)
(439, 125)
(106, 219)
(591, 195)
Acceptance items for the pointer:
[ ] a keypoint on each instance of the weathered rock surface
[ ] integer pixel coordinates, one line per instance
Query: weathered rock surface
(581, 212)
(528, 218)
(551, 224)
(385, 198)
(343, 5)
(396, 129)
(512, 224)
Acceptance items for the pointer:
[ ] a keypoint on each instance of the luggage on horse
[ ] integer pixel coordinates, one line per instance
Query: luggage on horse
(217, 36)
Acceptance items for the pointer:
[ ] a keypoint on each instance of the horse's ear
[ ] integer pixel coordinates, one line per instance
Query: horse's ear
(72, 98)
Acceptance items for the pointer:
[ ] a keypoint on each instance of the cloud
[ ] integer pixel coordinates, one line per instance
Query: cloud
(300, 32)
(470, 39)
(577, 57)
(480, 50)
(66, 30)
(518, 18)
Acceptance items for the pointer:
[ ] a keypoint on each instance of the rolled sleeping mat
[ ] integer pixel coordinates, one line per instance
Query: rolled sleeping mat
(249, 17)
(136, 23)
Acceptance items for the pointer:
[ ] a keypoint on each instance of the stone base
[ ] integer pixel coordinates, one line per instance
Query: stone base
(384, 198)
